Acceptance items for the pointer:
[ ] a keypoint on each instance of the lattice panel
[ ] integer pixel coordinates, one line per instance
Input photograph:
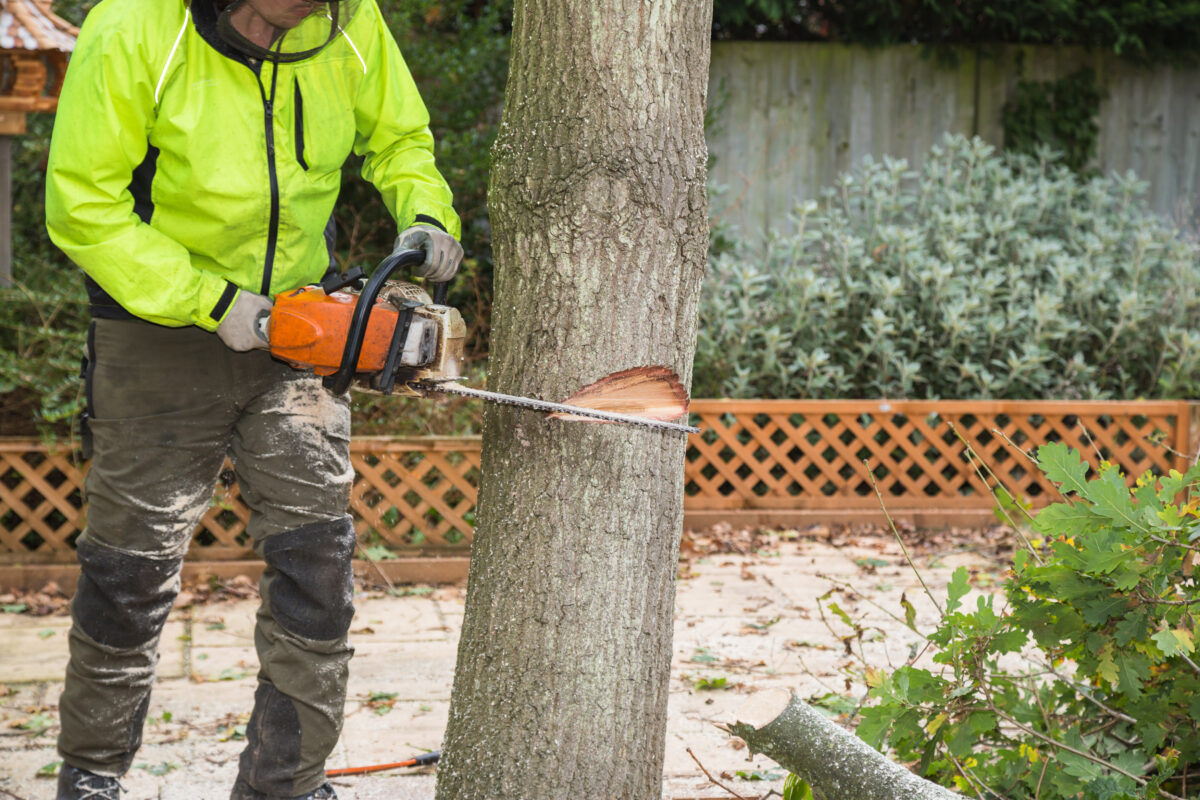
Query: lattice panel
(222, 531)
(41, 501)
(816, 454)
(407, 494)
(408, 499)
(419, 494)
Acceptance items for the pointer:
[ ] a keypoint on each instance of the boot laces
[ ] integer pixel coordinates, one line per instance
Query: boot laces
(98, 787)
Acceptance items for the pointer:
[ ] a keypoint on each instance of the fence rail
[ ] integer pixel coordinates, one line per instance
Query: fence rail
(417, 495)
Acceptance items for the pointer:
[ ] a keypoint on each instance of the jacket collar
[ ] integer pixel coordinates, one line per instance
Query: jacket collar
(204, 15)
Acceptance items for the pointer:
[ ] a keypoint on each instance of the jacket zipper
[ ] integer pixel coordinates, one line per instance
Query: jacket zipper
(273, 230)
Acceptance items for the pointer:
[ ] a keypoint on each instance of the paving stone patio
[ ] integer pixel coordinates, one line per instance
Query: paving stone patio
(751, 619)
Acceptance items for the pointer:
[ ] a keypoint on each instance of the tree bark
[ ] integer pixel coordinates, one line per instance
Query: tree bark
(599, 209)
(836, 764)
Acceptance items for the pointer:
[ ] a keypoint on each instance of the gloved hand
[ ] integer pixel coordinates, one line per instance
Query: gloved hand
(244, 326)
(443, 253)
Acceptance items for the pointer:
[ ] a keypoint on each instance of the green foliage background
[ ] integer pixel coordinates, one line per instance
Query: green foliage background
(984, 275)
(1150, 30)
(458, 52)
(1059, 114)
(1101, 610)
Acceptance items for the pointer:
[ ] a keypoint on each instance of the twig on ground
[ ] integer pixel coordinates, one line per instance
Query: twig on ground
(815, 676)
(375, 565)
(13, 795)
(868, 600)
(713, 780)
(973, 457)
(896, 533)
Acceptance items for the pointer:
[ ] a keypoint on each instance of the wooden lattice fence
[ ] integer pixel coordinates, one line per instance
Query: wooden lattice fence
(418, 495)
(777, 454)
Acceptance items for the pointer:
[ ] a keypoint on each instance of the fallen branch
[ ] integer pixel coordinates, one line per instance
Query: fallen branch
(836, 764)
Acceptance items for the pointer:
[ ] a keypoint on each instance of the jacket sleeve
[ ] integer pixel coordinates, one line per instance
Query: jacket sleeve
(394, 138)
(105, 113)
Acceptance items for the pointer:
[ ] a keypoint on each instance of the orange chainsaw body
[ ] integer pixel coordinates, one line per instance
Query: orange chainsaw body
(308, 328)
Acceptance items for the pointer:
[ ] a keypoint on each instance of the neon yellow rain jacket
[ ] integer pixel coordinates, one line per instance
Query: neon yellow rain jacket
(181, 172)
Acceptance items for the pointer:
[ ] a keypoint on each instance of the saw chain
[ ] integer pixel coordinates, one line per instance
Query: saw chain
(450, 387)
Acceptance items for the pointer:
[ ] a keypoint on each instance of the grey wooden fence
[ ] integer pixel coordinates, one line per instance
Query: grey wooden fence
(791, 117)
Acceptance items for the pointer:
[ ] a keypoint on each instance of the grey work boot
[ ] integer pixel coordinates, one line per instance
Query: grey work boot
(244, 791)
(79, 784)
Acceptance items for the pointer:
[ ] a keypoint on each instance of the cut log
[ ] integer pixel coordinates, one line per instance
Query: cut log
(835, 763)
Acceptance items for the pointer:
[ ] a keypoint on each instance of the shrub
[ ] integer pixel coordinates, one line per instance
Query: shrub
(1103, 608)
(985, 275)
(1135, 28)
(43, 316)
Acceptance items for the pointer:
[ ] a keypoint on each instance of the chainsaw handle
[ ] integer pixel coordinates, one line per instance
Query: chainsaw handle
(440, 290)
(340, 381)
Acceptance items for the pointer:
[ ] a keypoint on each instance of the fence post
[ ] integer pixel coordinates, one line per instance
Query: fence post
(1189, 445)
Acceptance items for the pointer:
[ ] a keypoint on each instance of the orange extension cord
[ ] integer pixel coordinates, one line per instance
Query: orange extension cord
(419, 761)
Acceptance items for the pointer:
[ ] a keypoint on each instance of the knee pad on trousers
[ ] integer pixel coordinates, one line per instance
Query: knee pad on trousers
(123, 599)
(312, 594)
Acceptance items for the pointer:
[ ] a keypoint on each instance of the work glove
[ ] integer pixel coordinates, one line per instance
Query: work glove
(245, 326)
(443, 253)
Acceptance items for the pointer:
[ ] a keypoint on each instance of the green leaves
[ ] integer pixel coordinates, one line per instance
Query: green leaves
(984, 275)
(1105, 693)
(1174, 642)
(1063, 466)
(1136, 28)
(796, 788)
(959, 586)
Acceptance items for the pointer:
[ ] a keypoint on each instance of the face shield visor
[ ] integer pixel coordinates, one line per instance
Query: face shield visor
(298, 29)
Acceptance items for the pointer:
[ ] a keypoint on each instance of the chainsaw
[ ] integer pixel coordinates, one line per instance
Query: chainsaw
(393, 338)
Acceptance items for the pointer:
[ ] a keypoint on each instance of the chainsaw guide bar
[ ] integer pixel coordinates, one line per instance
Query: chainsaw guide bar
(450, 387)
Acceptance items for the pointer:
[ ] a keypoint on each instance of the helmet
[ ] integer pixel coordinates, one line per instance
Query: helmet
(302, 28)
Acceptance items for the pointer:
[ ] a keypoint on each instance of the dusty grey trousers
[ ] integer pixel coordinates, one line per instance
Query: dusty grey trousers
(167, 406)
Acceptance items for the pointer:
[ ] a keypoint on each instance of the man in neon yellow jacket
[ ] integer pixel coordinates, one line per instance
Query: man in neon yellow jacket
(194, 166)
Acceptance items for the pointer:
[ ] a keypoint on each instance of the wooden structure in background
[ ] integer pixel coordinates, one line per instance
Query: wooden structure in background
(789, 117)
(34, 47)
(761, 461)
(769, 462)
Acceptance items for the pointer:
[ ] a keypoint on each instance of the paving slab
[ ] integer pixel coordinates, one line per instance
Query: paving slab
(754, 620)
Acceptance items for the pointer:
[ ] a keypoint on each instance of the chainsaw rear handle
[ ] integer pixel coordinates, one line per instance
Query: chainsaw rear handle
(340, 381)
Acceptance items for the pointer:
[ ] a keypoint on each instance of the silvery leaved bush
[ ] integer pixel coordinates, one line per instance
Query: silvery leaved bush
(982, 275)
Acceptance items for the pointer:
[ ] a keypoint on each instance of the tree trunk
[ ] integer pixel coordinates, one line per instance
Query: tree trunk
(599, 210)
(836, 764)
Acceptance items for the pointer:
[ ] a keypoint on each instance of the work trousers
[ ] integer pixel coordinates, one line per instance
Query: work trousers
(167, 405)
